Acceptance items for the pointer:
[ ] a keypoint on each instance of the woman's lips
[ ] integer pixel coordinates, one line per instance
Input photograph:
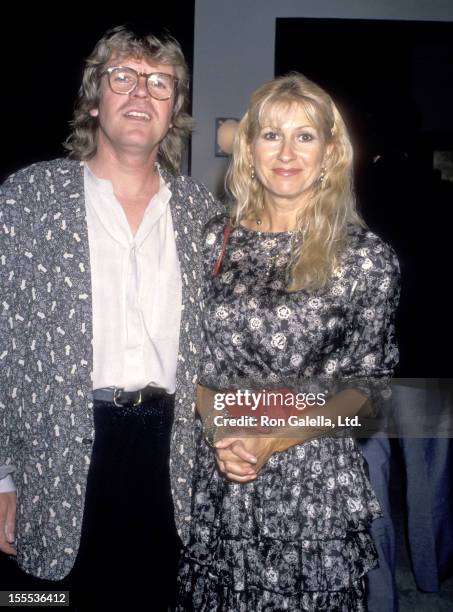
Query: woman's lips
(286, 171)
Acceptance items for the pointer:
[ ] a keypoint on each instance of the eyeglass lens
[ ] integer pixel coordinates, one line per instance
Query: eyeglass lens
(124, 80)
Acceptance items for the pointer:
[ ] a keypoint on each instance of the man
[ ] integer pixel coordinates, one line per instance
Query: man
(99, 273)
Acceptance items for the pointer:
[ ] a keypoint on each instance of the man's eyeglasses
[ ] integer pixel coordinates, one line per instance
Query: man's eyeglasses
(125, 80)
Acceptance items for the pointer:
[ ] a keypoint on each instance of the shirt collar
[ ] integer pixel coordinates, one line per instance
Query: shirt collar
(110, 213)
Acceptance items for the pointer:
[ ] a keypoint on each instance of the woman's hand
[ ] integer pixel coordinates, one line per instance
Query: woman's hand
(240, 459)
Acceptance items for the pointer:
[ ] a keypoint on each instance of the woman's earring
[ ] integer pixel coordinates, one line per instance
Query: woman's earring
(252, 172)
(322, 176)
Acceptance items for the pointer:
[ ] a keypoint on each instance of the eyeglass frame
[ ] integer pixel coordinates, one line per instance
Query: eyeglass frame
(109, 71)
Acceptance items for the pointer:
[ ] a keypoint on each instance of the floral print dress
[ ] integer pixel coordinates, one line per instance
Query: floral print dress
(297, 537)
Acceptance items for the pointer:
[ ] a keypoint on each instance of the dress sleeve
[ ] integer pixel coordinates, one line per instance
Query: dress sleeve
(370, 351)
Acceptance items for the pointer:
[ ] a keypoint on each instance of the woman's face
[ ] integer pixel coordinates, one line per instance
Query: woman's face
(288, 158)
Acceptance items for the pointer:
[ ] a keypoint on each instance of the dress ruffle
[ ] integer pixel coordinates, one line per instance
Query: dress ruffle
(280, 567)
(218, 599)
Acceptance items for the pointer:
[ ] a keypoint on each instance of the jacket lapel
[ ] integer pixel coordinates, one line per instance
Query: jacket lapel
(71, 263)
(186, 230)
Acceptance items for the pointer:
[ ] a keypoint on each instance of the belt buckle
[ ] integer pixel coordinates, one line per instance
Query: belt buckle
(117, 391)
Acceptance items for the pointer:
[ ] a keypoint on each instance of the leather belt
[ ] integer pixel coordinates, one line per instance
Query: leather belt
(120, 397)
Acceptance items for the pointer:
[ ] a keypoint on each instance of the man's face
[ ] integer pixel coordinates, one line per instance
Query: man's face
(134, 123)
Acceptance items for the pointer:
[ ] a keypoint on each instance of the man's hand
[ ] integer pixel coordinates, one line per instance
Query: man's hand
(7, 522)
(240, 459)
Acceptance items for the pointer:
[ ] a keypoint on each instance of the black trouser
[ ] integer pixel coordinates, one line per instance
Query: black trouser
(129, 547)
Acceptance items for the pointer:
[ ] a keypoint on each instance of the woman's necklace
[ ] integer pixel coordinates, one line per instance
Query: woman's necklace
(281, 258)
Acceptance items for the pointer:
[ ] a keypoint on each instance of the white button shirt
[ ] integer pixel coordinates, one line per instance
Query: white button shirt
(136, 290)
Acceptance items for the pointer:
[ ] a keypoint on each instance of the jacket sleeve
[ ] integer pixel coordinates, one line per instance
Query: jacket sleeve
(10, 192)
(210, 206)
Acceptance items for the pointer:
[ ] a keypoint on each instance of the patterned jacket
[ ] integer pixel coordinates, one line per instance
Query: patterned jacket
(46, 357)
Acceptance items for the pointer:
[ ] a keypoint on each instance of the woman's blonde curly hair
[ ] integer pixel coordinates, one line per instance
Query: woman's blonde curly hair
(122, 43)
(323, 220)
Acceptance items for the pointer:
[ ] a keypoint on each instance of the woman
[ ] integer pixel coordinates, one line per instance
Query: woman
(297, 289)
